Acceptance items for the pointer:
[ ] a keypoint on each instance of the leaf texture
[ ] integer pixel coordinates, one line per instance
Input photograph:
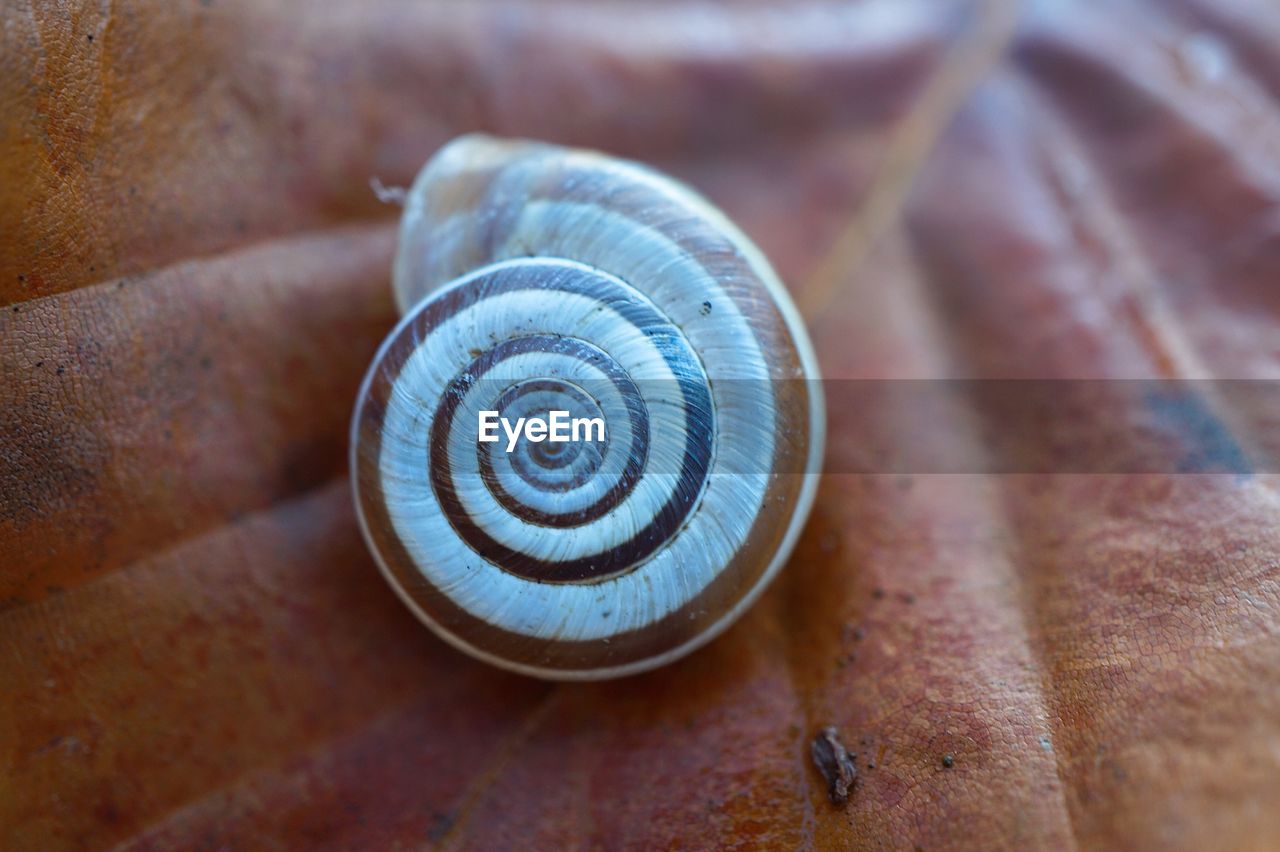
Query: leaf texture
(195, 648)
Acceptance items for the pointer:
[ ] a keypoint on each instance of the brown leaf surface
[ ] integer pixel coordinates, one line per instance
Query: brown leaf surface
(195, 649)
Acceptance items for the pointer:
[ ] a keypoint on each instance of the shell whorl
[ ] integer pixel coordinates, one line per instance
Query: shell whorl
(534, 278)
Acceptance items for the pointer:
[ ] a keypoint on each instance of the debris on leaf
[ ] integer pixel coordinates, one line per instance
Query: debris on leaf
(835, 764)
(388, 194)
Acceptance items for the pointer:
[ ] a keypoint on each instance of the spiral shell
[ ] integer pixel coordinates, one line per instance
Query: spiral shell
(535, 279)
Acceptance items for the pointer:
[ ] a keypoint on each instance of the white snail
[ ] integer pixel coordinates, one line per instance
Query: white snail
(535, 279)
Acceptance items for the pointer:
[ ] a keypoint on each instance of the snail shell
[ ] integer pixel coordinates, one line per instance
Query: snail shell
(534, 278)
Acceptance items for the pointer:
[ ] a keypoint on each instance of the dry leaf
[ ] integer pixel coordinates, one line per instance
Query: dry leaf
(195, 649)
